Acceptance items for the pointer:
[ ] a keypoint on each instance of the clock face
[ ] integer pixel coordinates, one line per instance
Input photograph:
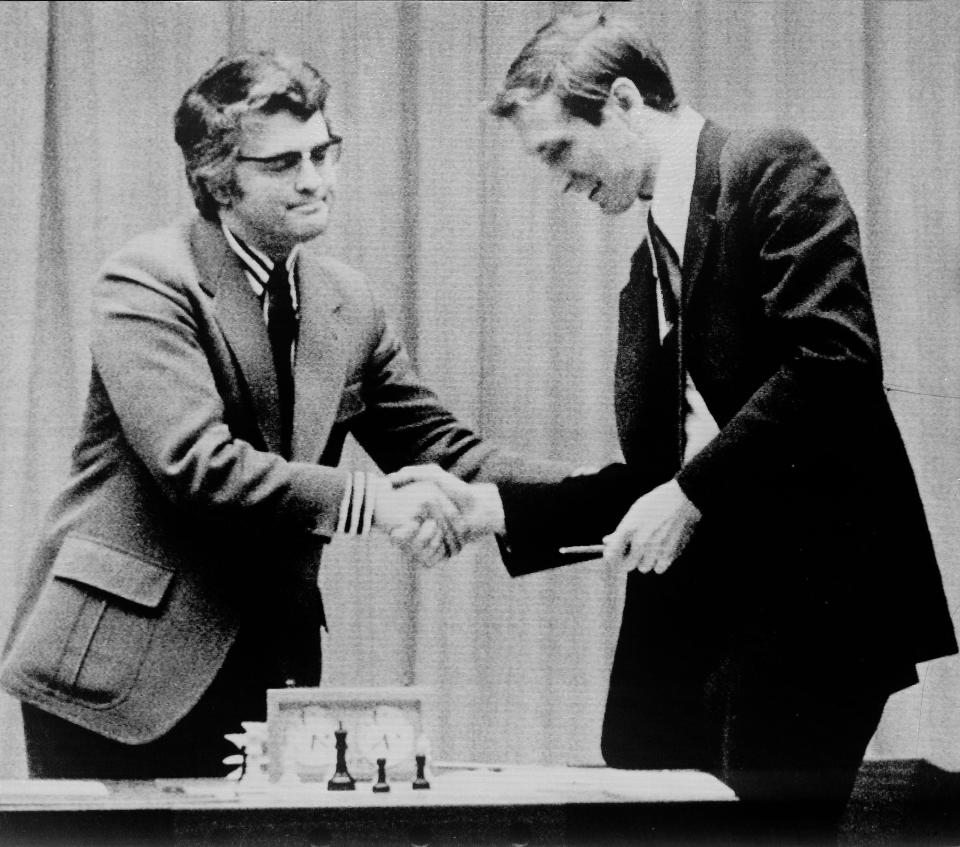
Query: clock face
(386, 732)
(314, 738)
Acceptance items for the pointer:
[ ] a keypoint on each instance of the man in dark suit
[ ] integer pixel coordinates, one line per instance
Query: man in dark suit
(176, 578)
(782, 582)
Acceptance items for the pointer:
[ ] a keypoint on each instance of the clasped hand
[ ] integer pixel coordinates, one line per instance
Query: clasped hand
(431, 514)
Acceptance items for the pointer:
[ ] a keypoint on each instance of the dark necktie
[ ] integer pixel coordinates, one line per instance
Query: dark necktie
(670, 276)
(282, 329)
(668, 271)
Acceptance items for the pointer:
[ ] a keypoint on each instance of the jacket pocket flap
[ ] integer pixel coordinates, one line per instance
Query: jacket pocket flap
(123, 575)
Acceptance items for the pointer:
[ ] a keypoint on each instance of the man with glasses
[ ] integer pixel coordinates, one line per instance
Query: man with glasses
(176, 579)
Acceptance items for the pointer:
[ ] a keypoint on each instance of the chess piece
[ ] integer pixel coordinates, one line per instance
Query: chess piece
(341, 780)
(381, 786)
(420, 781)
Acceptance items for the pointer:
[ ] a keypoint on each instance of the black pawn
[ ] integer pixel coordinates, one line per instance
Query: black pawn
(381, 786)
(421, 781)
(341, 780)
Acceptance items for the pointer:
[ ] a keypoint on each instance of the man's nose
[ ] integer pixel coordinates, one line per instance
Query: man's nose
(310, 176)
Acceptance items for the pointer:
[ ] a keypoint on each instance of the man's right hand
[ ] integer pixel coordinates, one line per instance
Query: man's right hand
(421, 519)
(480, 510)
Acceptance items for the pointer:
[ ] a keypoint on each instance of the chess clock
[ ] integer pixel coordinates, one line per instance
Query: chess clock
(381, 723)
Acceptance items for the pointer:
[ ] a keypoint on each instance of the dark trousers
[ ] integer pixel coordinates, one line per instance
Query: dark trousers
(777, 717)
(194, 747)
(792, 750)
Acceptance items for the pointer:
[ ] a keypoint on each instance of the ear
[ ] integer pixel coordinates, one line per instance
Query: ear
(624, 95)
(220, 193)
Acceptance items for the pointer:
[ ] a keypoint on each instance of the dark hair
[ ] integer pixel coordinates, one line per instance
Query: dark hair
(578, 57)
(207, 123)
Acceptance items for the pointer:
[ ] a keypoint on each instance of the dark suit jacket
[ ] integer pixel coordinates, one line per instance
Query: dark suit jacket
(813, 540)
(180, 522)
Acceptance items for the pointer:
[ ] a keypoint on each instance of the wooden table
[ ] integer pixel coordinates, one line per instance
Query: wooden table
(465, 805)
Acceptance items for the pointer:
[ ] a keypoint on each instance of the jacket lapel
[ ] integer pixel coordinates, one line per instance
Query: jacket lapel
(320, 366)
(240, 316)
(701, 224)
(638, 359)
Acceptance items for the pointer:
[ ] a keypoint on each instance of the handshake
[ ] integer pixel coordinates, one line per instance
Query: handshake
(431, 514)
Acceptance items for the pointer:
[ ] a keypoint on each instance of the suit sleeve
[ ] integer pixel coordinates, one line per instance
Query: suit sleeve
(799, 239)
(150, 353)
(541, 517)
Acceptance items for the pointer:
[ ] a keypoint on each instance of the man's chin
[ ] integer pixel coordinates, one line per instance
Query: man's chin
(310, 226)
(616, 206)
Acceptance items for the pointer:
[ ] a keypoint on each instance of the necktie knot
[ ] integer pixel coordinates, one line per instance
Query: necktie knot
(278, 284)
(280, 312)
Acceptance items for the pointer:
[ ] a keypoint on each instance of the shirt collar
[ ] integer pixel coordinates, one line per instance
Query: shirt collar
(673, 189)
(258, 264)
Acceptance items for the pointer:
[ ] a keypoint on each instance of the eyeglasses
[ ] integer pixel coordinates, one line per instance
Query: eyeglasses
(287, 163)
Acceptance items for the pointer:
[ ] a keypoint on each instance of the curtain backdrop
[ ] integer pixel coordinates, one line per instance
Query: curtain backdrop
(505, 291)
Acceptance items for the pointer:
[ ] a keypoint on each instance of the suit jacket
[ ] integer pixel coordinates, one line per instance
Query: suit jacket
(180, 522)
(813, 542)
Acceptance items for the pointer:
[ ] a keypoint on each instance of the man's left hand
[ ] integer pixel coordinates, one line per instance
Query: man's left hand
(654, 532)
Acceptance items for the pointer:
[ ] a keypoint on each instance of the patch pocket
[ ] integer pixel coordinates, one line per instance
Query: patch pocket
(351, 403)
(88, 634)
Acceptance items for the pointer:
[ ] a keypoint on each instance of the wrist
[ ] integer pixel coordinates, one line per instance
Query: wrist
(380, 490)
(690, 508)
(490, 506)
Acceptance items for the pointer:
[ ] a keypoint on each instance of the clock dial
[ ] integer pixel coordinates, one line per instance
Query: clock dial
(388, 733)
(314, 744)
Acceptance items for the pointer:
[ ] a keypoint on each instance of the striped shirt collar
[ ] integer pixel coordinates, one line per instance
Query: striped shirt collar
(258, 265)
